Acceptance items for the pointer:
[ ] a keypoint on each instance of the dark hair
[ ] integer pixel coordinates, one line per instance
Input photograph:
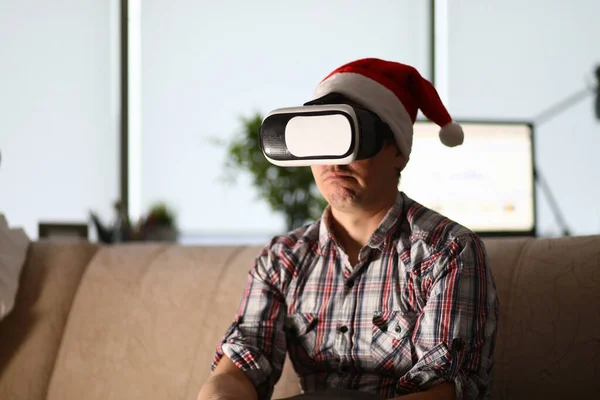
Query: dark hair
(389, 139)
(387, 135)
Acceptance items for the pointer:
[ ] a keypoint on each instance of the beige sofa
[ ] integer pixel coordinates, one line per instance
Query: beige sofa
(141, 321)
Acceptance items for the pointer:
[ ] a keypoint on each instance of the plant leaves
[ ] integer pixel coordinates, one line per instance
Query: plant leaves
(288, 190)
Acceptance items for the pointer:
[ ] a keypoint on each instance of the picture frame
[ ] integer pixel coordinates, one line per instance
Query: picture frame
(63, 231)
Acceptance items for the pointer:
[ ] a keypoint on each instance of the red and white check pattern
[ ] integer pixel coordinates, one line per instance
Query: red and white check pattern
(420, 307)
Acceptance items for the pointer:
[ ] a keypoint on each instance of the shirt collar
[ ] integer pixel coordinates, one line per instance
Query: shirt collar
(378, 239)
(325, 231)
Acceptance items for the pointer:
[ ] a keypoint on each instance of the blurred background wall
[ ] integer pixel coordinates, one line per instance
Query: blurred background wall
(59, 110)
(204, 64)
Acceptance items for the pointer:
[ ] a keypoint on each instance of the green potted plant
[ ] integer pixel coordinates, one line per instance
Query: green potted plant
(159, 224)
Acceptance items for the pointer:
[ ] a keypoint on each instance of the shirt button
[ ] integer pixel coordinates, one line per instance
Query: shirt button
(398, 329)
(459, 344)
(342, 329)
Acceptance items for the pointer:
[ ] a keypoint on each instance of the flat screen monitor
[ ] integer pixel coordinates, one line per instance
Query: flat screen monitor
(486, 184)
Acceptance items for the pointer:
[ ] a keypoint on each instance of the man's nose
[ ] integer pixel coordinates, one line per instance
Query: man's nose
(339, 168)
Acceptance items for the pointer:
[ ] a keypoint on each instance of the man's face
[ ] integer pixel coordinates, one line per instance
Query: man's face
(362, 183)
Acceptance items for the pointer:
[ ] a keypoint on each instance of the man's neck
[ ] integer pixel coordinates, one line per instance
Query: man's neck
(354, 227)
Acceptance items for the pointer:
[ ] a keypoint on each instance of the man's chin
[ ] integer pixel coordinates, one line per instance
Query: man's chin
(342, 197)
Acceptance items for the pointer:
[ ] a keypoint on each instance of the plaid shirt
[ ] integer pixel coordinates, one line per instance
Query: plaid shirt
(419, 308)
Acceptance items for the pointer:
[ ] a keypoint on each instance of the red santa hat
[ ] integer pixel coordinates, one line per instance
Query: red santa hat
(395, 92)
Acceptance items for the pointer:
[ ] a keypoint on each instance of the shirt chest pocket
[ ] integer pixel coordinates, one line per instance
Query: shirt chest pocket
(392, 350)
(301, 333)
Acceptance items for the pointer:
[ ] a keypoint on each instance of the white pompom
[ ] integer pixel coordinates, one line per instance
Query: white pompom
(452, 135)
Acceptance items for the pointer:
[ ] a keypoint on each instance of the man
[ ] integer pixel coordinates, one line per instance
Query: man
(381, 296)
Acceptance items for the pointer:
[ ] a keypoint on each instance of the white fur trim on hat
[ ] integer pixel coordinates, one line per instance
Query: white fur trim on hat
(452, 134)
(375, 97)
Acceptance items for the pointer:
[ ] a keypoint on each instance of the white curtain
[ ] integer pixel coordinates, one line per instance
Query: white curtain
(511, 59)
(58, 110)
(205, 64)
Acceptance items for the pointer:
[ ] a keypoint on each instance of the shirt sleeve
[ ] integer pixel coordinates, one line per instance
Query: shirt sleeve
(255, 341)
(455, 334)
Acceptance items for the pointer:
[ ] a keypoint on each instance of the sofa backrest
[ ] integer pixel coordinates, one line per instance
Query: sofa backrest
(31, 334)
(146, 319)
(549, 330)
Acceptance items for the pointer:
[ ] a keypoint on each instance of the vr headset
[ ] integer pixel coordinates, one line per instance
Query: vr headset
(325, 131)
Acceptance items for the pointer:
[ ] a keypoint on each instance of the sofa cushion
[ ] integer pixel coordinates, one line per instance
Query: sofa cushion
(549, 330)
(146, 321)
(30, 335)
